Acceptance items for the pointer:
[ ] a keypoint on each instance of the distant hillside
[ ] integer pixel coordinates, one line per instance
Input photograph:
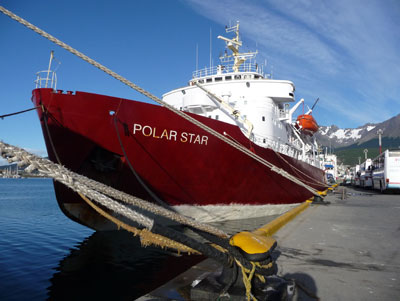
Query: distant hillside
(387, 142)
(349, 155)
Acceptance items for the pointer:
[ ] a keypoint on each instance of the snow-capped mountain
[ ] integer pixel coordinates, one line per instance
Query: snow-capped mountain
(336, 137)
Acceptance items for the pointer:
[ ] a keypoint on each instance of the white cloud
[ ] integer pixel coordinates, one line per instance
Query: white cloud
(345, 52)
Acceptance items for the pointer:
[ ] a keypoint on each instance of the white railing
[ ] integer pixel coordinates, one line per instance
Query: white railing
(277, 145)
(46, 79)
(223, 69)
(292, 149)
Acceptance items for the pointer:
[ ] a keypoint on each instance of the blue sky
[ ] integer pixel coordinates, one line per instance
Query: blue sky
(345, 52)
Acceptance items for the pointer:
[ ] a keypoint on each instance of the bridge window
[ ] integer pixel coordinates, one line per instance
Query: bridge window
(263, 118)
(209, 80)
(218, 79)
(228, 77)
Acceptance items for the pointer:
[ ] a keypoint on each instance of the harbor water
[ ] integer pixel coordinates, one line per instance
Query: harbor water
(45, 255)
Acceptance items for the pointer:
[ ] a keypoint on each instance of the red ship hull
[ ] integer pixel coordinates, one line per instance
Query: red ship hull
(177, 161)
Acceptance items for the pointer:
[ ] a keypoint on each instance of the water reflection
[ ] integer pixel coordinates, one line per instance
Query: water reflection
(112, 265)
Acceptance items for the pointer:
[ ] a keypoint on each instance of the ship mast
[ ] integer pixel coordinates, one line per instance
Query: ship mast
(233, 45)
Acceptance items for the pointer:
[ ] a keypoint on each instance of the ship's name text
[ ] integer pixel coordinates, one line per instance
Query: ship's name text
(184, 137)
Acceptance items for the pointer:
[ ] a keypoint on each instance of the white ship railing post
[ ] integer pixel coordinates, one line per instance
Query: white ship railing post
(48, 69)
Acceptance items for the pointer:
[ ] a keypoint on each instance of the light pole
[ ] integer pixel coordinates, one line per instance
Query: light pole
(379, 133)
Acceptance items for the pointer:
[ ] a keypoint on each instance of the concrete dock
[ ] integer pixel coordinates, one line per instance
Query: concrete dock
(347, 250)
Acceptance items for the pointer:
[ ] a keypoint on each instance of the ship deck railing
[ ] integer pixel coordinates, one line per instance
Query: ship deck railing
(290, 149)
(225, 69)
(46, 79)
(283, 147)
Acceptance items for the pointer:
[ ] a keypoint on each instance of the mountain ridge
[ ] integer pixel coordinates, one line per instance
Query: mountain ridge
(333, 136)
(349, 144)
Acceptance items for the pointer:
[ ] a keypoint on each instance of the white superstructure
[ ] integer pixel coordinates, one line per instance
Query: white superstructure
(237, 92)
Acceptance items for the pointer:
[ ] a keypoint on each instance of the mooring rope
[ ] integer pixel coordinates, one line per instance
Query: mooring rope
(247, 276)
(220, 249)
(45, 115)
(71, 180)
(138, 178)
(47, 167)
(313, 181)
(146, 237)
(16, 113)
(239, 147)
(119, 195)
(152, 232)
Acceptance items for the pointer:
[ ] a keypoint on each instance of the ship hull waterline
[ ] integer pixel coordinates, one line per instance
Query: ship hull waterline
(109, 139)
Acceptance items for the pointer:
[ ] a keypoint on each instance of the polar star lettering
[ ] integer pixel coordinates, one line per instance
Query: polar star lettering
(171, 135)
